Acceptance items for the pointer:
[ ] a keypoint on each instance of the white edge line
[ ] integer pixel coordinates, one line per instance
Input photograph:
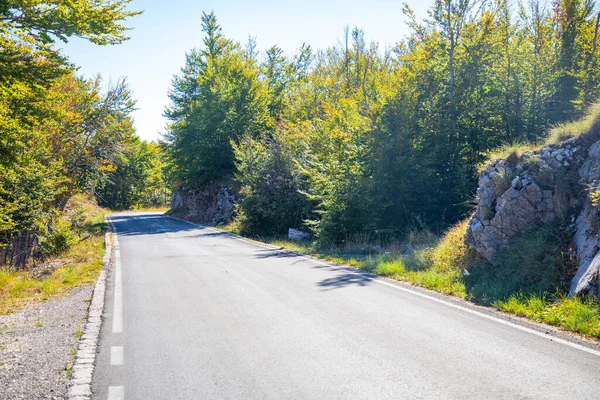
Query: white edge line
(410, 290)
(117, 326)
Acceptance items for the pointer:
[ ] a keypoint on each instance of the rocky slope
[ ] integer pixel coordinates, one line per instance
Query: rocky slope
(554, 184)
(212, 205)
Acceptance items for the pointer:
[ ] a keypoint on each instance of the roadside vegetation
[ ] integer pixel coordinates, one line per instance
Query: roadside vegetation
(76, 261)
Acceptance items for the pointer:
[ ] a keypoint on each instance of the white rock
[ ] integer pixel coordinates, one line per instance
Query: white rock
(294, 234)
(516, 183)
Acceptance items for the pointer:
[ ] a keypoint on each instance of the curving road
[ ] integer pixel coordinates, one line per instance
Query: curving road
(193, 313)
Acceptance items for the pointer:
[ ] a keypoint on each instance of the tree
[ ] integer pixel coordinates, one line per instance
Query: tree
(571, 17)
(101, 22)
(217, 98)
(57, 131)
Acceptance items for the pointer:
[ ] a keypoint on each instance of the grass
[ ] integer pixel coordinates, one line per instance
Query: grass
(508, 151)
(78, 333)
(79, 265)
(575, 128)
(581, 315)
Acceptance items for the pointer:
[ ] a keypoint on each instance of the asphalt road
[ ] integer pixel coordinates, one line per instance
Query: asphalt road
(208, 316)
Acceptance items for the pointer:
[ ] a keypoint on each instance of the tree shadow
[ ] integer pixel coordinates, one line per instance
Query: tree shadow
(148, 224)
(344, 280)
(275, 253)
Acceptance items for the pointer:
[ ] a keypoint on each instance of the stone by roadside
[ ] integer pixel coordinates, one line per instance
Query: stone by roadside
(37, 346)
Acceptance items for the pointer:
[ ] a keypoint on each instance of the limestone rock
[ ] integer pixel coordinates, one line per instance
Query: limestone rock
(212, 205)
(295, 234)
(506, 210)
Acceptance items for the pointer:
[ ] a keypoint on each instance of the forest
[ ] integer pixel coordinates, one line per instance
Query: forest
(361, 141)
(62, 134)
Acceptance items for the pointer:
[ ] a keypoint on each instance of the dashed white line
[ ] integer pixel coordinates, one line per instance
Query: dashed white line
(116, 393)
(116, 355)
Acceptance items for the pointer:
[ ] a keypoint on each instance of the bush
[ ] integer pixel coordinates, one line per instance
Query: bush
(59, 236)
(453, 252)
(271, 192)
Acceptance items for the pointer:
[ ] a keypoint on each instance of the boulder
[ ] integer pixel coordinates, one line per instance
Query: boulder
(295, 234)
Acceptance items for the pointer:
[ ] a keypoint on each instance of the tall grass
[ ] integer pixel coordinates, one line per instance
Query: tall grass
(575, 128)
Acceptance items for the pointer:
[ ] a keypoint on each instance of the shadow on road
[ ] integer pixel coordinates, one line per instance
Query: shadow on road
(148, 224)
(344, 280)
(267, 253)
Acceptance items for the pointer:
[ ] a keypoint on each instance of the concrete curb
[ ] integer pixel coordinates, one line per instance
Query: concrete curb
(80, 386)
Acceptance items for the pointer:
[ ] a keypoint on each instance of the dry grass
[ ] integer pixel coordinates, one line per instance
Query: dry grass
(589, 124)
(506, 151)
(78, 266)
(577, 128)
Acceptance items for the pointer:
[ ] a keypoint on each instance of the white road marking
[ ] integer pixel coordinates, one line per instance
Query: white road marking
(116, 393)
(116, 355)
(118, 300)
(422, 295)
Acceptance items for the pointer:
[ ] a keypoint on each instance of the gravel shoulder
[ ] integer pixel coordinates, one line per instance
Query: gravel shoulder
(37, 346)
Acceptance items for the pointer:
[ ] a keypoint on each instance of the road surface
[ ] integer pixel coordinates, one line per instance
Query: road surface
(193, 313)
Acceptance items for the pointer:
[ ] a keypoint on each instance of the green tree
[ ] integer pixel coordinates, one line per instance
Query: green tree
(217, 98)
(101, 22)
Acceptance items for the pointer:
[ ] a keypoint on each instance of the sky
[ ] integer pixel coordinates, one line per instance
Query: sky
(167, 29)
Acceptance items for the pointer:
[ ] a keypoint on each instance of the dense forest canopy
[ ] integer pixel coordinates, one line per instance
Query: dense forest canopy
(355, 138)
(60, 133)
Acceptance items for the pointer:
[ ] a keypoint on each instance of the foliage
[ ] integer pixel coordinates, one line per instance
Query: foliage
(83, 224)
(385, 137)
(137, 180)
(101, 22)
(59, 133)
(216, 98)
(59, 236)
(272, 199)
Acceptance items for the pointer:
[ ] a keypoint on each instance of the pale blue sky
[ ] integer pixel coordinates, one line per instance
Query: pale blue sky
(168, 29)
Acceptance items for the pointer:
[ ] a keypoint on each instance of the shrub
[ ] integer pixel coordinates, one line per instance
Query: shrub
(453, 252)
(59, 237)
(271, 192)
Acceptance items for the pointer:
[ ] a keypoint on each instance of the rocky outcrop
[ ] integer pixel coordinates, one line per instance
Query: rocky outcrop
(212, 205)
(549, 185)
